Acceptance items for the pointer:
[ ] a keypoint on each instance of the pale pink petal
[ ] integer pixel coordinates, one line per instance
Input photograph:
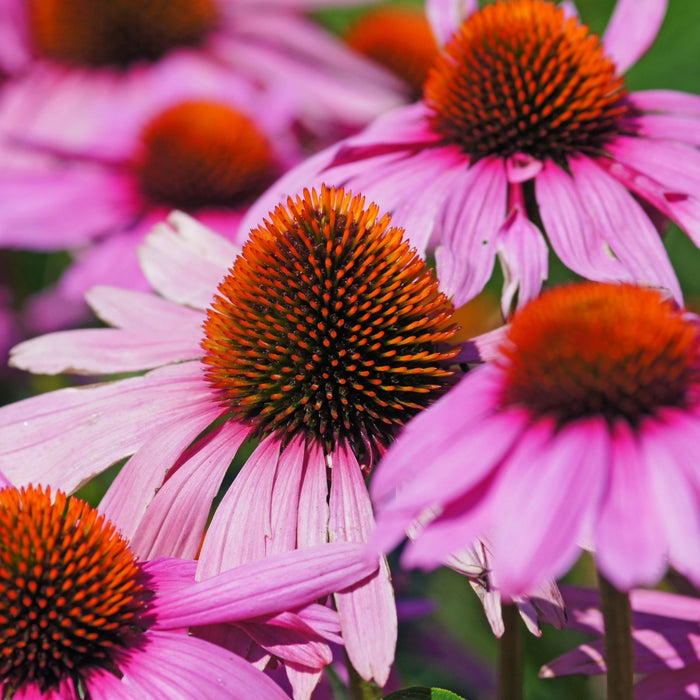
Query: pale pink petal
(242, 521)
(312, 525)
(631, 544)
(185, 250)
(540, 538)
(323, 620)
(367, 611)
(632, 29)
(571, 231)
(268, 586)
(445, 16)
(66, 437)
(142, 476)
(473, 217)
(624, 226)
(676, 127)
(524, 259)
(174, 523)
(484, 347)
(174, 665)
(303, 680)
(666, 101)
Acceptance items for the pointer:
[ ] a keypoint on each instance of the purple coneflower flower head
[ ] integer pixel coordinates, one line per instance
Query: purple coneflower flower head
(666, 637)
(526, 128)
(583, 429)
(63, 77)
(326, 335)
(81, 616)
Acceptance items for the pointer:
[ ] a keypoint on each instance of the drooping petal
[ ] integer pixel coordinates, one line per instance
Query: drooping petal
(624, 226)
(630, 541)
(367, 610)
(445, 16)
(281, 582)
(632, 29)
(313, 500)
(676, 127)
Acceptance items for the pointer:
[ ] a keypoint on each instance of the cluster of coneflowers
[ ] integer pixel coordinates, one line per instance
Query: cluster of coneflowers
(291, 398)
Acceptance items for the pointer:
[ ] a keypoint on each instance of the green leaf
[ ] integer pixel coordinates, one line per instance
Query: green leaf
(418, 693)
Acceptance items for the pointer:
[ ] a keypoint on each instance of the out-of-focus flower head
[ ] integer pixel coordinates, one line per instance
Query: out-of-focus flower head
(526, 127)
(583, 430)
(665, 634)
(81, 616)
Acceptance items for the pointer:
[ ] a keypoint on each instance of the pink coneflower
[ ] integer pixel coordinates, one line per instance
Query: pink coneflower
(196, 142)
(71, 61)
(324, 338)
(583, 430)
(666, 635)
(526, 127)
(81, 616)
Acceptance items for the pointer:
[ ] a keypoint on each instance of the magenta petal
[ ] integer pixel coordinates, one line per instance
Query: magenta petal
(473, 217)
(186, 250)
(670, 684)
(676, 127)
(666, 101)
(624, 226)
(632, 30)
(574, 235)
(174, 665)
(242, 521)
(367, 611)
(266, 587)
(630, 540)
(142, 476)
(174, 523)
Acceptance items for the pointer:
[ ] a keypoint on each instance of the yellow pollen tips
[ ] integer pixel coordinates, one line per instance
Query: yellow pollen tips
(594, 349)
(117, 32)
(519, 77)
(70, 589)
(398, 38)
(200, 154)
(329, 324)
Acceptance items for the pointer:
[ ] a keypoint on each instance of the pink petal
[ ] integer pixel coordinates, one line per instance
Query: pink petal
(539, 539)
(630, 541)
(445, 16)
(15, 43)
(676, 127)
(265, 587)
(174, 665)
(367, 611)
(65, 437)
(632, 29)
(312, 525)
(524, 259)
(574, 235)
(666, 101)
(624, 226)
(242, 521)
(185, 262)
(174, 522)
(473, 217)
(142, 476)
(670, 685)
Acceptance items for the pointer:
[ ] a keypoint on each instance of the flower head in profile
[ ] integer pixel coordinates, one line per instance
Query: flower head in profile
(324, 338)
(582, 431)
(527, 128)
(81, 616)
(666, 637)
(70, 62)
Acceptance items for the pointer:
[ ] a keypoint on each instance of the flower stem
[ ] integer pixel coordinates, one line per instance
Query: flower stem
(510, 656)
(360, 689)
(619, 653)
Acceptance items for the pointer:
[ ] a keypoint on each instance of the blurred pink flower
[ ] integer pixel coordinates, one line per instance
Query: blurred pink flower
(526, 123)
(72, 61)
(582, 431)
(326, 335)
(106, 625)
(666, 637)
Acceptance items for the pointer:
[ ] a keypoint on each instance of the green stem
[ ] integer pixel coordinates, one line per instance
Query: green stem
(510, 656)
(619, 653)
(360, 689)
